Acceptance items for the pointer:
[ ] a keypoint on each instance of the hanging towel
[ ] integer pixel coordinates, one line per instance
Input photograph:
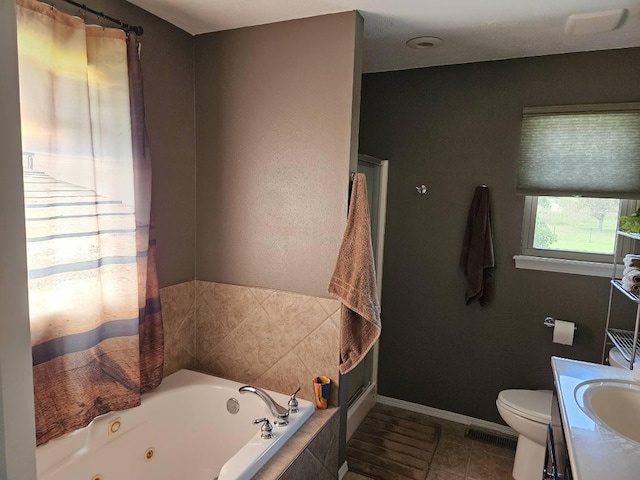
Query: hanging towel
(354, 282)
(477, 259)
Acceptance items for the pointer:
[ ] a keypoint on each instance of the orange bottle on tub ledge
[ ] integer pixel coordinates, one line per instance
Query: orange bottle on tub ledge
(321, 387)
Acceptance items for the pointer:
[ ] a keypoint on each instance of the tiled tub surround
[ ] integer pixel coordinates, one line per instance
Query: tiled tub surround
(179, 321)
(268, 338)
(312, 452)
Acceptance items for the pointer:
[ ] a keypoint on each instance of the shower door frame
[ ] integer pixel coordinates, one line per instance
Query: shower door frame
(368, 397)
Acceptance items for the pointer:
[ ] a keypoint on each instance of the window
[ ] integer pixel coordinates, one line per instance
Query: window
(578, 171)
(576, 228)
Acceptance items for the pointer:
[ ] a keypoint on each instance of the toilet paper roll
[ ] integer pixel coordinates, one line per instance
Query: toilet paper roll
(563, 332)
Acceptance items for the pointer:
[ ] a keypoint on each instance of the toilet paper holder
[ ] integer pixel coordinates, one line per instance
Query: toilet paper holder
(551, 322)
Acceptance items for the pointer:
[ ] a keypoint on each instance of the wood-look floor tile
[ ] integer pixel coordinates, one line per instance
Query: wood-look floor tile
(354, 476)
(437, 473)
(487, 466)
(494, 449)
(452, 457)
(453, 432)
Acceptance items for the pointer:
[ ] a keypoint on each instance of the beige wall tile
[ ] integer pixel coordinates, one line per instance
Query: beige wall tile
(209, 332)
(230, 303)
(276, 340)
(227, 360)
(298, 314)
(178, 312)
(330, 305)
(320, 353)
(320, 350)
(336, 318)
(199, 284)
(261, 294)
(177, 301)
(262, 340)
(177, 354)
(287, 375)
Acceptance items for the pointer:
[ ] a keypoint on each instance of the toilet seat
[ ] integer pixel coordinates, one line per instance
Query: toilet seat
(534, 405)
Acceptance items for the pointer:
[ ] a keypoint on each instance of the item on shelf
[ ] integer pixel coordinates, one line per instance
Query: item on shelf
(631, 279)
(626, 341)
(630, 223)
(630, 286)
(632, 272)
(630, 260)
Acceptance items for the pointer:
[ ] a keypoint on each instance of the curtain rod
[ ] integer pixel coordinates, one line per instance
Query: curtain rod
(138, 30)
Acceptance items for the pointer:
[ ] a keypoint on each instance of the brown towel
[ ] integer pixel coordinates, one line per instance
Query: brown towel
(477, 258)
(354, 282)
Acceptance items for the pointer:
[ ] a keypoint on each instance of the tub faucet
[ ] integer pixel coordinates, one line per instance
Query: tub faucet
(280, 413)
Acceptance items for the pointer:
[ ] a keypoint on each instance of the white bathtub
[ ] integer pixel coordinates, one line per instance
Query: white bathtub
(186, 423)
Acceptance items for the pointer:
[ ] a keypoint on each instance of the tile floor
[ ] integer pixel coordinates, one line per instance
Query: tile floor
(460, 458)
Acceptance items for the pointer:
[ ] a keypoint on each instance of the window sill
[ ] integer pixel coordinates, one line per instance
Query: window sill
(561, 265)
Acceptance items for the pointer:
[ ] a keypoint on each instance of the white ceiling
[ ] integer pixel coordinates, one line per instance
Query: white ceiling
(472, 30)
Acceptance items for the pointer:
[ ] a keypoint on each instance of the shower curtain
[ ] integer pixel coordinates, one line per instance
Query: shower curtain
(96, 324)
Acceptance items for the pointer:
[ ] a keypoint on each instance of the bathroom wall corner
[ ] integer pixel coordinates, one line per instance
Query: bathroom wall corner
(178, 313)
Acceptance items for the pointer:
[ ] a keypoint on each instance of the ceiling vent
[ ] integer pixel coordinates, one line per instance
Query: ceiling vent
(424, 42)
(595, 22)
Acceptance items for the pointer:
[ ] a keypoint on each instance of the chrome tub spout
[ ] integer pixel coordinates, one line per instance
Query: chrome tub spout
(280, 413)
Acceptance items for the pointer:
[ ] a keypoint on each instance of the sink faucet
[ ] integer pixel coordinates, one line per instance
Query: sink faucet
(280, 413)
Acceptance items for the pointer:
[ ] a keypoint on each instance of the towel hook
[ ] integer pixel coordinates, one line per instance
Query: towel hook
(421, 189)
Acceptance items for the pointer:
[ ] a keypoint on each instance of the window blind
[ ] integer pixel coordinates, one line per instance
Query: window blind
(588, 150)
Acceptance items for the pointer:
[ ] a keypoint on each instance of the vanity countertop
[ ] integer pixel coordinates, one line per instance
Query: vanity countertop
(595, 452)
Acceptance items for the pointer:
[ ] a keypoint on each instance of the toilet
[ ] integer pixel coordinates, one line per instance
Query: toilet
(617, 360)
(528, 412)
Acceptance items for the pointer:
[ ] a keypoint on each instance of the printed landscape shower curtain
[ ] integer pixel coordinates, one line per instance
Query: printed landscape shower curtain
(96, 326)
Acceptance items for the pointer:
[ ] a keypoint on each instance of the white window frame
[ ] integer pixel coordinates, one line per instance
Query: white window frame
(562, 261)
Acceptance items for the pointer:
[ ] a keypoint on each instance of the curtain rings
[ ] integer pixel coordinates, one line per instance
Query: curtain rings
(83, 12)
(102, 19)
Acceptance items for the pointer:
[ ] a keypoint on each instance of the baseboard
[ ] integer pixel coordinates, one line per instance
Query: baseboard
(343, 470)
(444, 414)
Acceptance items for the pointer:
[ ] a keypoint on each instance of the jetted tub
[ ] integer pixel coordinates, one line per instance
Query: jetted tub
(182, 431)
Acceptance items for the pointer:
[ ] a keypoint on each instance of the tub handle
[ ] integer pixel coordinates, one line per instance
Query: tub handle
(266, 429)
(293, 402)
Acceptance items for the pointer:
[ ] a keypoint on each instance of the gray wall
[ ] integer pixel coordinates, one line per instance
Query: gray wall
(453, 128)
(17, 430)
(167, 64)
(274, 139)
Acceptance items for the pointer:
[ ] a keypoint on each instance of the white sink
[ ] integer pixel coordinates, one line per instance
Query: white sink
(612, 403)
